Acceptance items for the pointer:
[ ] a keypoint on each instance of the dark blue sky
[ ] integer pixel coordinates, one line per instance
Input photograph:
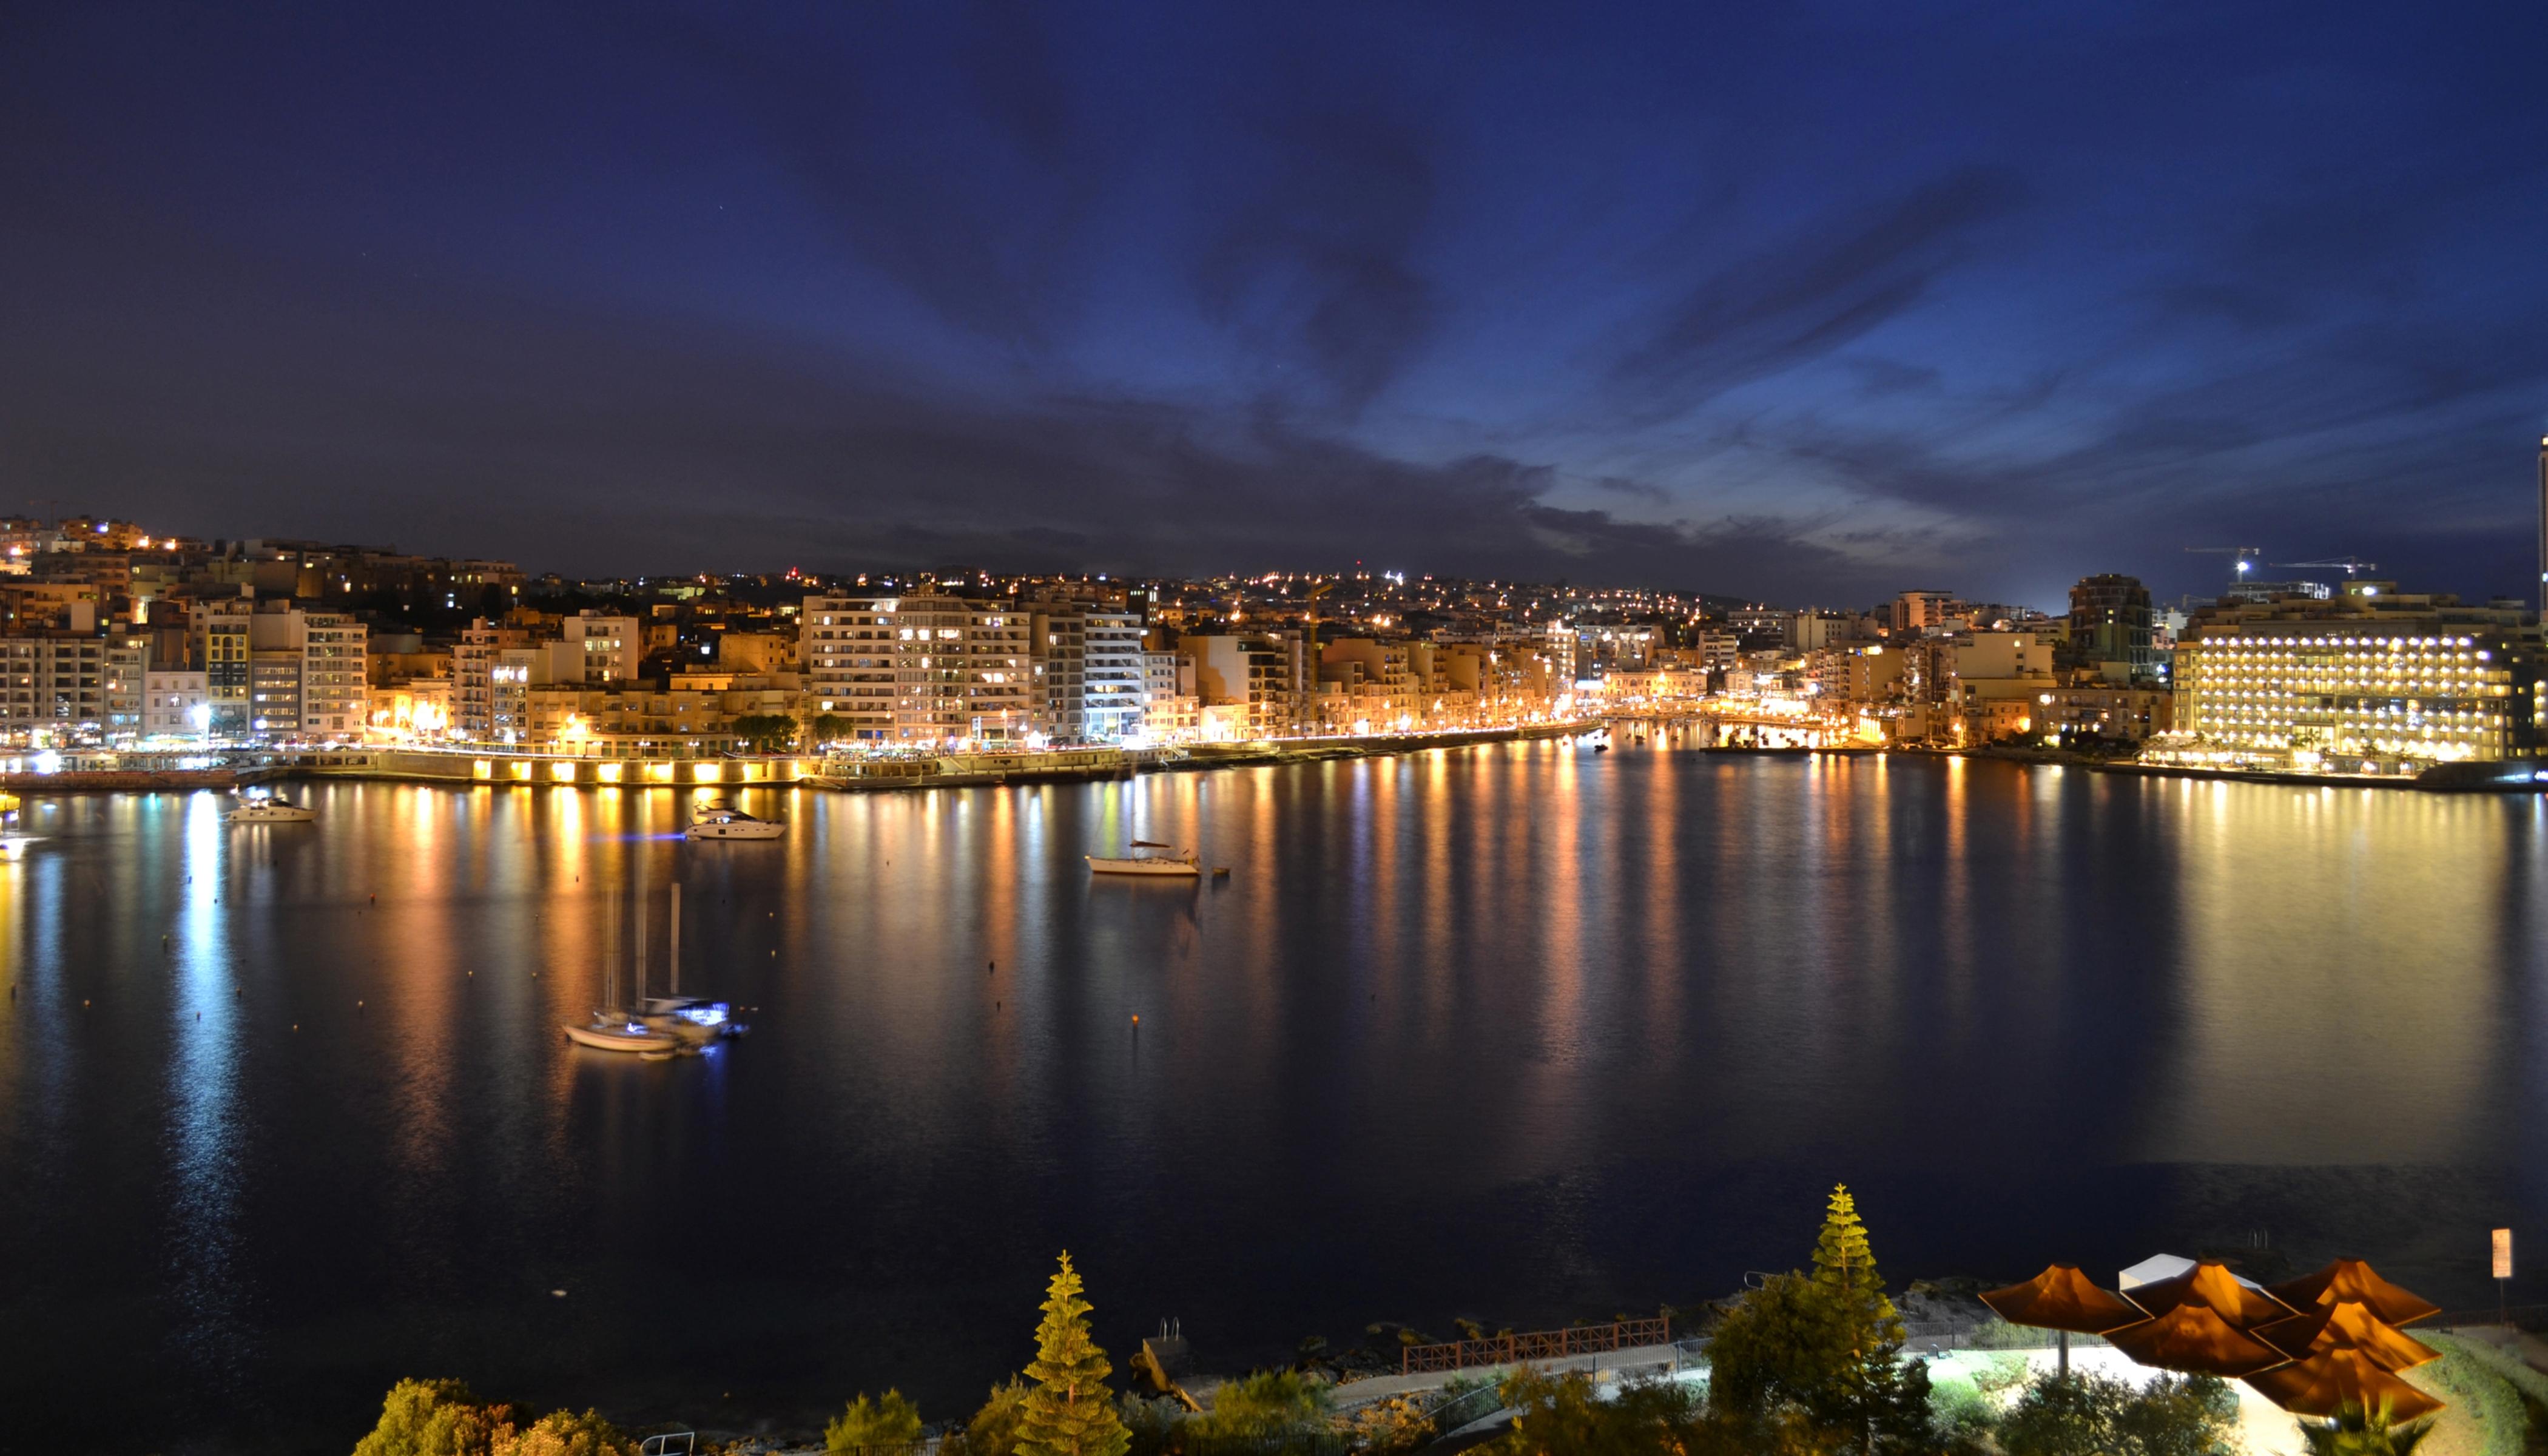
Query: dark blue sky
(1802, 302)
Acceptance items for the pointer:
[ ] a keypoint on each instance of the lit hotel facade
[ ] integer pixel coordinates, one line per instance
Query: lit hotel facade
(2370, 682)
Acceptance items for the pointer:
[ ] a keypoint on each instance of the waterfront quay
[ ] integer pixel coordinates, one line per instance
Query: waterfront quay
(496, 766)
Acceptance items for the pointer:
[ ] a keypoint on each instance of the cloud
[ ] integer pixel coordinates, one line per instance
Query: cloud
(1823, 286)
(1315, 256)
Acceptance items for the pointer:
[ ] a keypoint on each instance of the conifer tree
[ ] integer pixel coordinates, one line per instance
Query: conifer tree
(1070, 1412)
(1879, 1401)
(1844, 1267)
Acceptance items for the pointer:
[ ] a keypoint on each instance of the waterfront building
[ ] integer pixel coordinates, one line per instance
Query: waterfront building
(1256, 673)
(921, 668)
(1170, 709)
(1114, 679)
(274, 692)
(222, 646)
(2369, 681)
(2111, 628)
(171, 700)
(52, 681)
(2105, 711)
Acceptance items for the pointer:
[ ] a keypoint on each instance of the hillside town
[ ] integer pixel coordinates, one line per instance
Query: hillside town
(117, 638)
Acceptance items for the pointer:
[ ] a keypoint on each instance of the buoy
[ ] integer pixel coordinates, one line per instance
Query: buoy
(358, 1006)
(83, 1005)
(296, 1026)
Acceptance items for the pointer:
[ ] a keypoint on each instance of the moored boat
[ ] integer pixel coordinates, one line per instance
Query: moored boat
(272, 808)
(725, 821)
(619, 1034)
(1150, 857)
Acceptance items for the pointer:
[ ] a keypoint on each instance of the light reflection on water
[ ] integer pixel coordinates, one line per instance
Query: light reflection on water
(1518, 1033)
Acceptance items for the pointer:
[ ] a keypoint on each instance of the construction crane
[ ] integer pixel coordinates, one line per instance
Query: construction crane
(2246, 555)
(2351, 564)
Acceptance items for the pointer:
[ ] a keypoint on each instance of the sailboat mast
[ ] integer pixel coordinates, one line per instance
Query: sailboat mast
(673, 954)
(640, 967)
(611, 951)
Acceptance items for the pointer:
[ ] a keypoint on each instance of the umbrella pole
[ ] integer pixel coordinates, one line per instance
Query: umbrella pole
(2065, 1354)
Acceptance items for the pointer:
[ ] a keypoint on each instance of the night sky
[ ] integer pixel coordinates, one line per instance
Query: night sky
(1809, 303)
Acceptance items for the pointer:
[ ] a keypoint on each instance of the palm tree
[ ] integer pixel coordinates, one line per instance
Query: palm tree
(2356, 1432)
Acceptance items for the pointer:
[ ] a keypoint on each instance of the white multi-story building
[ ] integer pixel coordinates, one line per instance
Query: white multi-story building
(924, 669)
(1113, 683)
(171, 700)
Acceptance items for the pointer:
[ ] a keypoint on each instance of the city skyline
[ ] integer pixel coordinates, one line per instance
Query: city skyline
(1812, 307)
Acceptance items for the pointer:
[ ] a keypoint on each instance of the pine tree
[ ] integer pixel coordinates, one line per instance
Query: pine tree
(1879, 1397)
(1070, 1412)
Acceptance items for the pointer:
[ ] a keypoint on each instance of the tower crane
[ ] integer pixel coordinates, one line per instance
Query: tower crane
(2350, 564)
(2246, 556)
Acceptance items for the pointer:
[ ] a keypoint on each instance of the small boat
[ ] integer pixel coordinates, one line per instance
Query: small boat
(725, 821)
(1600, 747)
(1150, 857)
(608, 1033)
(613, 1026)
(269, 809)
(691, 1020)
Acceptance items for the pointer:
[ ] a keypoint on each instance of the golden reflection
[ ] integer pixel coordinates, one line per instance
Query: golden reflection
(2337, 983)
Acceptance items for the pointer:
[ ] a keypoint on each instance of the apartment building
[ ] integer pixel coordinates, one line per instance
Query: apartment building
(922, 669)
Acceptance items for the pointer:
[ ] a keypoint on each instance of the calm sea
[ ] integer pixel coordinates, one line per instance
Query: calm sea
(1521, 1034)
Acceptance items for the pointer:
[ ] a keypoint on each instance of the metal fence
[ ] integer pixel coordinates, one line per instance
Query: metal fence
(1542, 1345)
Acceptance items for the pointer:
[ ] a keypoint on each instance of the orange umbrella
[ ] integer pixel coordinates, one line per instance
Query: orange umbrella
(2211, 1285)
(2061, 1297)
(2348, 1327)
(2194, 1338)
(2353, 1280)
(2329, 1380)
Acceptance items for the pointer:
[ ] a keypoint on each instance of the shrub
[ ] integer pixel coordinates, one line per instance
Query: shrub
(887, 1420)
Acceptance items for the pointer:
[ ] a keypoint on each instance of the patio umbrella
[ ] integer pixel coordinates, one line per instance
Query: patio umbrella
(2331, 1379)
(2061, 1297)
(2353, 1280)
(2347, 1325)
(2196, 1340)
(2212, 1285)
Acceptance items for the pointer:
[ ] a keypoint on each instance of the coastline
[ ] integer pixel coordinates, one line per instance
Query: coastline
(494, 766)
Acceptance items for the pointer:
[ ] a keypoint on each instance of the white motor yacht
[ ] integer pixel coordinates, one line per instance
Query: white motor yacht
(270, 808)
(1150, 857)
(725, 821)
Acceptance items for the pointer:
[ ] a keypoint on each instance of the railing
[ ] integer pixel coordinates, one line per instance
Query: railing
(1544, 1344)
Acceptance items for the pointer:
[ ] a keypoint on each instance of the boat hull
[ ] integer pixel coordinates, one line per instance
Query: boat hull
(269, 816)
(759, 829)
(1177, 868)
(614, 1038)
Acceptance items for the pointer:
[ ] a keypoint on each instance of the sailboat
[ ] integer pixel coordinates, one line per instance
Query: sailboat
(613, 1026)
(692, 1020)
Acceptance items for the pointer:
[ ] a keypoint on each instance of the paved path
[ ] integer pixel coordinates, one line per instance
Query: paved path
(1359, 1392)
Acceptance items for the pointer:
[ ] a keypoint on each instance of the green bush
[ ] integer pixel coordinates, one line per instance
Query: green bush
(1269, 1403)
(887, 1420)
(434, 1418)
(2088, 1415)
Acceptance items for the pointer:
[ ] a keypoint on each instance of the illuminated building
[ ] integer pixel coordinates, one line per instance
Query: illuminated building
(2366, 682)
(612, 647)
(920, 669)
(172, 703)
